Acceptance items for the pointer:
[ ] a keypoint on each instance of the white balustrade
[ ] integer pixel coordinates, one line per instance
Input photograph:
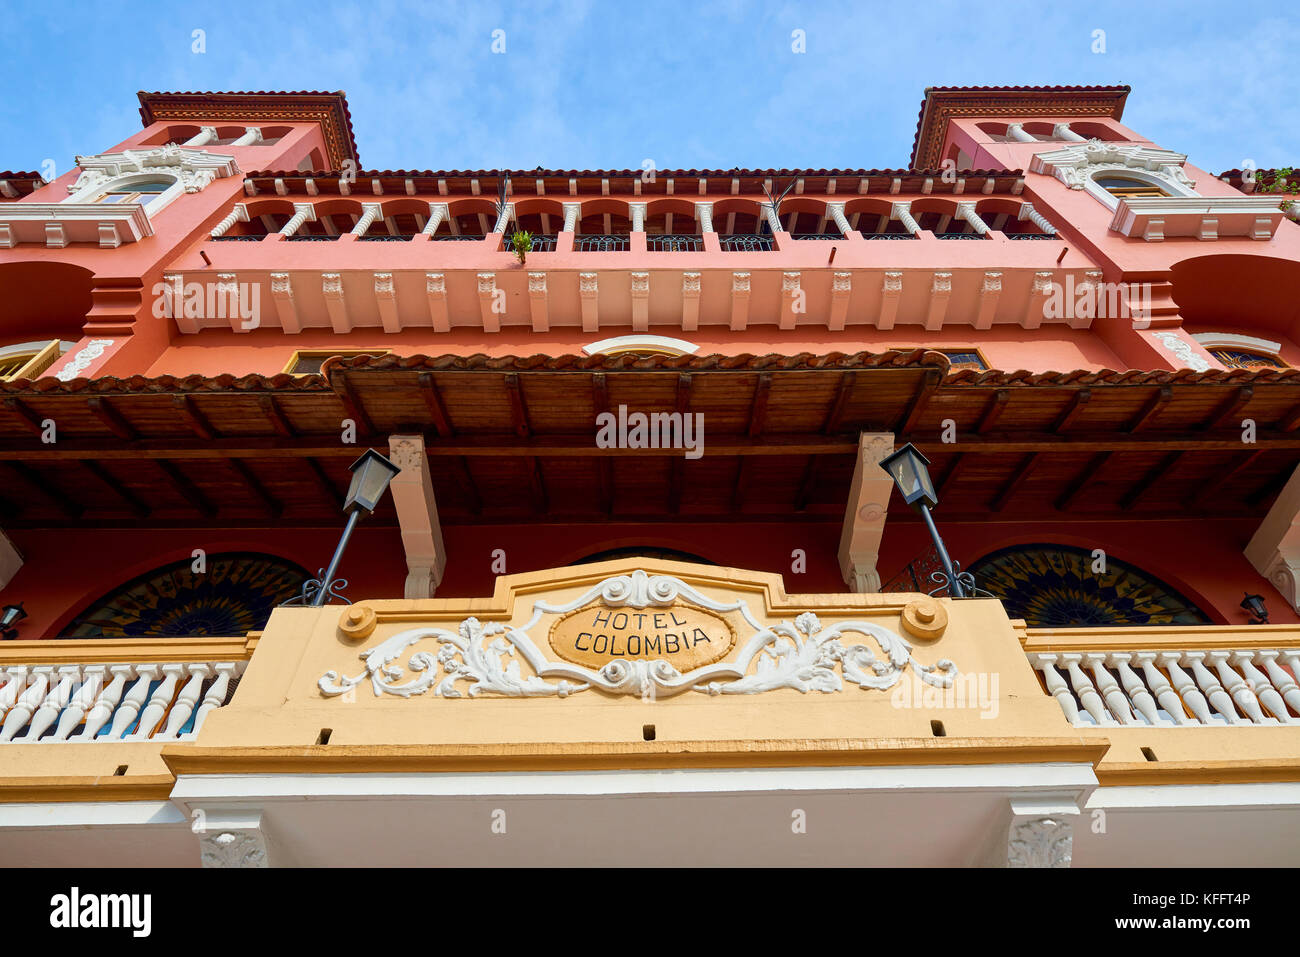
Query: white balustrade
(135, 702)
(1174, 688)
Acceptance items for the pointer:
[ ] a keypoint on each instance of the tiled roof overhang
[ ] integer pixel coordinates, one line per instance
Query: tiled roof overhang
(1235, 177)
(24, 184)
(330, 110)
(942, 103)
(513, 438)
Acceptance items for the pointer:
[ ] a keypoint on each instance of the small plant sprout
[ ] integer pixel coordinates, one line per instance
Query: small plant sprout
(521, 242)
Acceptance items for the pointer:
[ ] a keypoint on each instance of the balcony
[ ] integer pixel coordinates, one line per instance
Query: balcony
(354, 724)
(746, 243)
(674, 244)
(600, 244)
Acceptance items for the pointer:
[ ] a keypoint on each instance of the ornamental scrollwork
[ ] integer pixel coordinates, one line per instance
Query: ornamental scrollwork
(804, 656)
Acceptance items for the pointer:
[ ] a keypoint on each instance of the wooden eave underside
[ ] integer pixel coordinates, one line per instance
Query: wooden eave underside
(513, 440)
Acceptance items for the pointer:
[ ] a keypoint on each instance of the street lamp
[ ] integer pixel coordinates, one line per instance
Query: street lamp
(12, 615)
(911, 474)
(371, 475)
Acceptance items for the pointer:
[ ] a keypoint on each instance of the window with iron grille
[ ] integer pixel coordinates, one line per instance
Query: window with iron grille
(1245, 359)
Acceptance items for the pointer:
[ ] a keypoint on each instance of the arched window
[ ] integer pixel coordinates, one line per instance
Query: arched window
(641, 345)
(138, 192)
(1129, 187)
(234, 594)
(1247, 359)
(28, 360)
(1056, 586)
(669, 554)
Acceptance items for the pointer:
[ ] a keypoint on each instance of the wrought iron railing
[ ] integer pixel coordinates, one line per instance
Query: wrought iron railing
(668, 243)
(1030, 236)
(540, 244)
(816, 236)
(310, 238)
(888, 236)
(399, 238)
(449, 238)
(746, 243)
(959, 236)
(600, 244)
(242, 238)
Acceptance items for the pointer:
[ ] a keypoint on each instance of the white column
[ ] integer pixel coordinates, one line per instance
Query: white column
(1017, 132)
(437, 213)
(216, 695)
(704, 213)
(105, 704)
(252, 135)
(1062, 131)
(571, 211)
(186, 701)
(237, 215)
(638, 217)
(967, 212)
(1028, 212)
(773, 222)
(369, 213)
(303, 213)
(836, 211)
(204, 136)
(903, 213)
(503, 218)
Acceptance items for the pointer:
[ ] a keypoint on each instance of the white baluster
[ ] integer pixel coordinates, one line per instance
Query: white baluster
(1264, 690)
(1236, 686)
(216, 695)
(1057, 687)
(133, 701)
(1166, 697)
(1219, 698)
(157, 706)
(54, 702)
(1088, 696)
(1285, 683)
(186, 700)
(13, 687)
(1186, 687)
(1110, 690)
(27, 703)
(1133, 686)
(81, 703)
(105, 703)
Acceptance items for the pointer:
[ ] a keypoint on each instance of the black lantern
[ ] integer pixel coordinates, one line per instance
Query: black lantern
(911, 474)
(1255, 605)
(370, 477)
(12, 615)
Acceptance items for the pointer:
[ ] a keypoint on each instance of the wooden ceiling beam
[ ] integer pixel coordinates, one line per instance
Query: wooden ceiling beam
(1072, 412)
(433, 402)
(121, 491)
(1151, 409)
(929, 385)
(839, 403)
(103, 410)
(273, 506)
(518, 409)
(997, 405)
(1221, 478)
(806, 484)
(327, 485)
(353, 408)
(758, 409)
(1149, 481)
(960, 463)
(1022, 473)
(195, 419)
(1082, 481)
(187, 489)
(464, 480)
(46, 488)
(271, 409)
(30, 420)
(1226, 415)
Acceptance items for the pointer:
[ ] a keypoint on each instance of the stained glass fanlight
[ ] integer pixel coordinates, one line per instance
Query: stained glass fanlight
(1056, 586)
(233, 594)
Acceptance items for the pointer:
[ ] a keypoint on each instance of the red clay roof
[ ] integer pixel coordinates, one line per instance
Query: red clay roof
(1006, 100)
(328, 109)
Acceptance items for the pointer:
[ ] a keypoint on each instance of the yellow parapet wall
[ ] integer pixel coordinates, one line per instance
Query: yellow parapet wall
(636, 663)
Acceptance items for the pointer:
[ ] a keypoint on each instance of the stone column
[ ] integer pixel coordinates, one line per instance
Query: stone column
(571, 213)
(1017, 132)
(203, 137)
(252, 136)
(437, 213)
(903, 213)
(704, 213)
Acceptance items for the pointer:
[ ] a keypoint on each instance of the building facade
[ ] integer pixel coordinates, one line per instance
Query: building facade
(639, 593)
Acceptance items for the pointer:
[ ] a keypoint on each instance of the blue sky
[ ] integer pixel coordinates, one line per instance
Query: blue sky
(612, 84)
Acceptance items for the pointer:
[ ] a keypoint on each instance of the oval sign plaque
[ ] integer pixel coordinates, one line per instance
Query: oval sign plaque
(684, 636)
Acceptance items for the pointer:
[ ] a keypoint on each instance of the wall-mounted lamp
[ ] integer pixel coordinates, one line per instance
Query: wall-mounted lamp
(1255, 605)
(11, 616)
